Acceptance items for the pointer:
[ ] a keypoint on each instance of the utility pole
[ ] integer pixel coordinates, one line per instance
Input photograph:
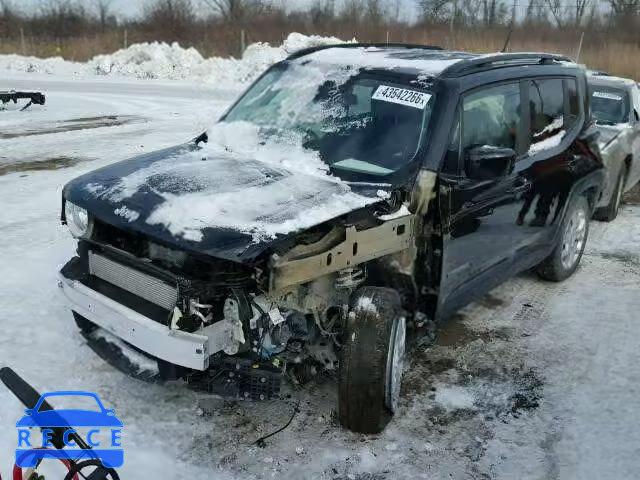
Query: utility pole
(23, 45)
(453, 16)
(579, 47)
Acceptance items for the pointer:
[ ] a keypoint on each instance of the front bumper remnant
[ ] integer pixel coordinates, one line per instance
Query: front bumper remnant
(191, 350)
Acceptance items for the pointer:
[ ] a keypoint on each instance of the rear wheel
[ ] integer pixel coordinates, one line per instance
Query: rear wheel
(610, 212)
(566, 256)
(372, 360)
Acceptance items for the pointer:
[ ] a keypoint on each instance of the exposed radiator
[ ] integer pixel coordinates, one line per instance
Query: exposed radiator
(139, 283)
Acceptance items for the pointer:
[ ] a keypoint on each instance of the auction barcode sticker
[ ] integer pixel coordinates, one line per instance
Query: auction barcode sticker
(609, 96)
(402, 96)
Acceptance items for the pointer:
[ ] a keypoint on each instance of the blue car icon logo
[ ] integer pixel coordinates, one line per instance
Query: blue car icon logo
(97, 420)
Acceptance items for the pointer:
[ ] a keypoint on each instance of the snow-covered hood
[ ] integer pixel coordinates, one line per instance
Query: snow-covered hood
(214, 201)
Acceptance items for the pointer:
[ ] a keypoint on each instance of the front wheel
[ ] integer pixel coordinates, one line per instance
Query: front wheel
(566, 256)
(372, 360)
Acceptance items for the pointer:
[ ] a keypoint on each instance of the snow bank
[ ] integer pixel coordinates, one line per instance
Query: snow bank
(163, 61)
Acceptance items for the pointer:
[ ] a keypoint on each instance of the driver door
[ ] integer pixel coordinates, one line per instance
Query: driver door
(483, 198)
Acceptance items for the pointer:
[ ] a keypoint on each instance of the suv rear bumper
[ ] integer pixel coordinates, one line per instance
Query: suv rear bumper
(191, 350)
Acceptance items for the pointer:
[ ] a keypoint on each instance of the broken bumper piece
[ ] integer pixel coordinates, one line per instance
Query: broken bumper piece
(191, 350)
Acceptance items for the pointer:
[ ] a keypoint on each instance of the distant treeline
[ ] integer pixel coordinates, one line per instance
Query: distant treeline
(80, 29)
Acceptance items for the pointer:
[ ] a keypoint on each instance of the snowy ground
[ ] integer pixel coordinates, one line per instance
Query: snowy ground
(536, 381)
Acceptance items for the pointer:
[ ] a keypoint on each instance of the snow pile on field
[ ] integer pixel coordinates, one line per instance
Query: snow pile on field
(164, 61)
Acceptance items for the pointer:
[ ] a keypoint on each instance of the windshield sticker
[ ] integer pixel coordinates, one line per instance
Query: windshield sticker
(402, 96)
(607, 95)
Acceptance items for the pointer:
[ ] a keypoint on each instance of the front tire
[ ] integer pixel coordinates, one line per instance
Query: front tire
(372, 360)
(567, 254)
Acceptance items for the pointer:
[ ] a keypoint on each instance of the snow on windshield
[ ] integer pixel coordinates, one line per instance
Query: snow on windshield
(357, 121)
(284, 98)
(244, 181)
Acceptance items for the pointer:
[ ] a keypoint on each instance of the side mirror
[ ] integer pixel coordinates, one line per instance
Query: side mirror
(636, 115)
(488, 162)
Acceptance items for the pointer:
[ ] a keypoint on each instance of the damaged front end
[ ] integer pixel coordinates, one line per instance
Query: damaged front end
(235, 329)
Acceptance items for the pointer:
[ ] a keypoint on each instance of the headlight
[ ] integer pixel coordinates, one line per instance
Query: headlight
(78, 221)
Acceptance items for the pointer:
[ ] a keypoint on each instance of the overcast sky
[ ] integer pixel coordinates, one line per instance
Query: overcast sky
(131, 8)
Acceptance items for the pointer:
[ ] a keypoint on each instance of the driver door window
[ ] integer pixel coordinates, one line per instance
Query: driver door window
(492, 116)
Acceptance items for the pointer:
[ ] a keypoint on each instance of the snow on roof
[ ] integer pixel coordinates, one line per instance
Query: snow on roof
(599, 78)
(422, 61)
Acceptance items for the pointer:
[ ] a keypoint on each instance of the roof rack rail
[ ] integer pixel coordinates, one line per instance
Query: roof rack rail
(309, 50)
(510, 59)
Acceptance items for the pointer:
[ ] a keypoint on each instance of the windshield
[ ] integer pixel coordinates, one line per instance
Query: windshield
(357, 123)
(609, 105)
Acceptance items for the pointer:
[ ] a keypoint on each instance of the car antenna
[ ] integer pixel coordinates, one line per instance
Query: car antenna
(506, 42)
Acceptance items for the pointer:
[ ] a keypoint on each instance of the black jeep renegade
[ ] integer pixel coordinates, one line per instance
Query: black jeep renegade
(351, 195)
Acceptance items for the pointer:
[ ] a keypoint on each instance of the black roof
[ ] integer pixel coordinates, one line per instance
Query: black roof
(427, 60)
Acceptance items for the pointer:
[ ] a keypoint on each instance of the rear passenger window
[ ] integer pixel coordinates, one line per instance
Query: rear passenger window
(491, 116)
(546, 110)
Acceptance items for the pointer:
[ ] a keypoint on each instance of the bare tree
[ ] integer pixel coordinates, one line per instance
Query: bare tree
(436, 11)
(9, 19)
(237, 11)
(536, 12)
(625, 15)
(352, 11)
(374, 12)
(489, 12)
(6, 7)
(465, 12)
(566, 14)
(103, 8)
(581, 8)
(63, 18)
(322, 14)
(624, 8)
(173, 18)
